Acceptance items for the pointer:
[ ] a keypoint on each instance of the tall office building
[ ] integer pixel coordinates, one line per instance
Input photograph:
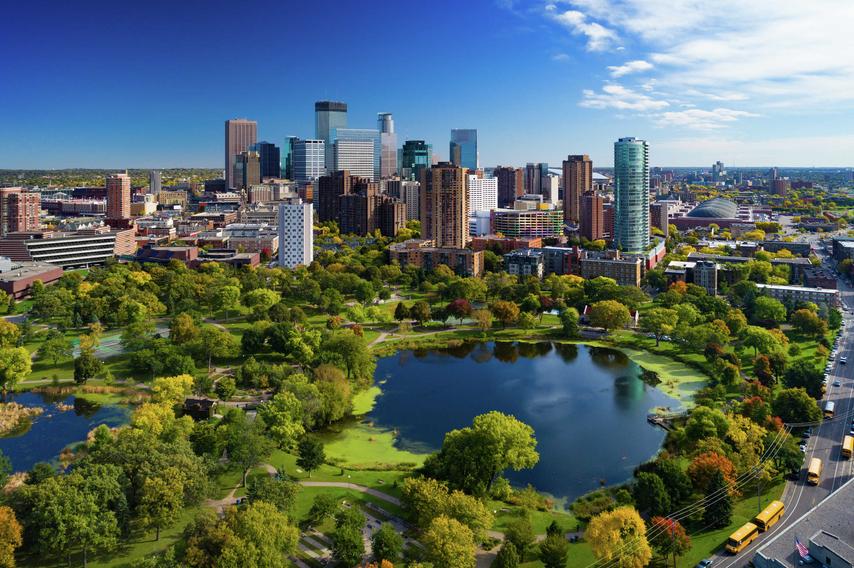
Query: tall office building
(155, 183)
(240, 134)
(356, 156)
(463, 148)
(296, 235)
(358, 135)
(247, 169)
(269, 155)
(415, 154)
(388, 142)
(483, 193)
(510, 184)
(577, 180)
(329, 115)
(444, 206)
(118, 196)
(329, 188)
(537, 178)
(288, 157)
(308, 160)
(19, 210)
(592, 216)
(409, 193)
(631, 194)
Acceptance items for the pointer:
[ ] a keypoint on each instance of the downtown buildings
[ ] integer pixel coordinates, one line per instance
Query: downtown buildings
(631, 195)
(463, 148)
(240, 135)
(577, 180)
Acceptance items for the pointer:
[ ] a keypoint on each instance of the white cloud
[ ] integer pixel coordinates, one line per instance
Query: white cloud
(636, 66)
(700, 119)
(598, 36)
(621, 98)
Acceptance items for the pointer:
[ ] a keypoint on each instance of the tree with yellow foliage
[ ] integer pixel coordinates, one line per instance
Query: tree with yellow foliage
(619, 536)
(10, 537)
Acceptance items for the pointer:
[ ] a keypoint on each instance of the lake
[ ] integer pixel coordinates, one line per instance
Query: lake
(55, 429)
(587, 405)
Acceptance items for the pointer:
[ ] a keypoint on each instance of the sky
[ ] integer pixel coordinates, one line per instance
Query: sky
(143, 84)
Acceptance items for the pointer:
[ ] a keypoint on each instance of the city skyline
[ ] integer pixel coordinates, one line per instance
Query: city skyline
(749, 97)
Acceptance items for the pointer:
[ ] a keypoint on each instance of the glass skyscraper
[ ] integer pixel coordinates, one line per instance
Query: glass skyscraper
(388, 139)
(463, 148)
(287, 159)
(329, 115)
(307, 159)
(631, 193)
(357, 134)
(269, 153)
(415, 154)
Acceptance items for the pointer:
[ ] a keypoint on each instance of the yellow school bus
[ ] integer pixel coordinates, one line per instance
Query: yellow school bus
(847, 447)
(741, 538)
(769, 516)
(814, 472)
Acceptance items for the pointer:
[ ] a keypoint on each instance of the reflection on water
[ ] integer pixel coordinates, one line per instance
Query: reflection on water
(587, 405)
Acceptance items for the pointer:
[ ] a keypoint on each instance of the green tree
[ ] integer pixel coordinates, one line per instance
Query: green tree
(10, 334)
(553, 551)
(650, 494)
(768, 311)
(761, 340)
(352, 352)
(283, 417)
(569, 322)
(322, 508)
(420, 312)
(86, 366)
(483, 318)
(505, 311)
(795, 405)
(267, 535)
(676, 481)
(659, 322)
(717, 503)
(806, 375)
(311, 454)
(183, 329)
(808, 323)
(348, 547)
(609, 314)
(449, 544)
(507, 556)
(521, 534)
(401, 312)
(225, 388)
(246, 444)
(619, 536)
(387, 544)
(56, 347)
(280, 493)
(227, 299)
(161, 500)
(214, 343)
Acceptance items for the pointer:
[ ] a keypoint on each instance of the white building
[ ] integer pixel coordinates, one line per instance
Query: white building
(296, 235)
(480, 223)
(483, 193)
(308, 160)
(356, 156)
(551, 188)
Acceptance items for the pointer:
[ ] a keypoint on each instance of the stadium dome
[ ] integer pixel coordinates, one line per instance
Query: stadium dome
(717, 208)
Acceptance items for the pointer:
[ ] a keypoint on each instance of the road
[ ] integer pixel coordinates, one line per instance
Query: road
(826, 441)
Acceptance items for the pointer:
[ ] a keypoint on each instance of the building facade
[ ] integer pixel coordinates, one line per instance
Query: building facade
(270, 158)
(444, 206)
(592, 216)
(527, 223)
(19, 210)
(463, 148)
(626, 271)
(577, 180)
(525, 262)
(631, 194)
(388, 144)
(483, 193)
(355, 156)
(118, 197)
(329, 188)
(511, 184)
(247, 170)
(358, 135)
(329, 116)
(415, 154)
(240, 134)
(422, 254)
(308, 160)
(155, 183)
(296, 234)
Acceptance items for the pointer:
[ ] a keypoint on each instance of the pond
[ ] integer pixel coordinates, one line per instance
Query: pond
(587, 405)
(56, 427)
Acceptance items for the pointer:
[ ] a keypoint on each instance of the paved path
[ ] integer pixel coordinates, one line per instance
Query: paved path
(360, 488)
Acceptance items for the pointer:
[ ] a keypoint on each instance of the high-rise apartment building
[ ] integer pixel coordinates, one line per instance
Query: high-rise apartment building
(240, 134)
(356, 156)
(483, 193)
(577, 180)
(592, 216)
(510, 184)
(329, 116)
(631, 194)
(118, 197)
(409, 194)
(296, 235)
(388, 143)
(269, 154)
(247, 169)
(308, 160)
(444, 205)
(329, 188)
(463, 148)
(155, 183)
(358, 135)
(19, 210)
(415, 154)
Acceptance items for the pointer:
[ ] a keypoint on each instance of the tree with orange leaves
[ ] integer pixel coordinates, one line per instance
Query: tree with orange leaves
(668, 538)
(702, 470)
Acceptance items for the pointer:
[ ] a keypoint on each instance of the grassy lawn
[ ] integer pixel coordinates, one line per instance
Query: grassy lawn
(382, 480)
(363, 446)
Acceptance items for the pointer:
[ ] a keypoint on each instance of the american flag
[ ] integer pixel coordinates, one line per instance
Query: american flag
(802, 550)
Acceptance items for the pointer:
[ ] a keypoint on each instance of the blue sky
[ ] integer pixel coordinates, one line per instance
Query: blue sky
(149, 84)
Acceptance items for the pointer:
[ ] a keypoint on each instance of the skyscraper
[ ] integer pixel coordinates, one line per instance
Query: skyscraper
(288, 157)
(631, 194)
(592, 216)
(247, 169)
(296, 235)
(19, 210)
(308, 160)
(415, 154)
(577, 180)
(240, 134)
(360, 135)
(118, 197)
(444, 205)
(388, 142)
(510, 184)
(269, 156)
(537, 178)
(483, 193)
(329, 115)
(329, 188)
(357, 156)
(463, 148)
(154, 182)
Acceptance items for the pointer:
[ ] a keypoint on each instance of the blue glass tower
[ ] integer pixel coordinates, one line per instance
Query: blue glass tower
(631, 194)
(463, 148)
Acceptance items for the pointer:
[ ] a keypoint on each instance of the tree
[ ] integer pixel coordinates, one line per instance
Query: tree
(668, 538)
(659, 322)
(347, 544)
(227, 299)
(171, 390)
(527, 320)
(86, 366)
(676, 481)
(762, 370)
(283, 417)
(311, 454)
(322, 508)
(705, 422)
(569, 322)
(505, 311)
(768, 311)
(483, 319)
(449, 544)
(246, 444)
(420, 312)
(609, 314)
(804, 374)
(350, 352)
(213, 342)
(553, 551)
(55, 347)
(278, 492)
(507, 556)
(703, 469)
(225, 388)
(520, 532)
(619, 536)
(401, 312)
(267, 537)
(460, 309)
(650, 494)
(717, 502)
(807, 322)
(795, 405)
(183, 329)
(161, 500)
(761, 340)
(261, 300)
(11, 536)
(387, 544)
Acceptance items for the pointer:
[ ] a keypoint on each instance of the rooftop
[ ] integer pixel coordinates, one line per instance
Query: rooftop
(797, 288)
(9, 272)
(717, 208)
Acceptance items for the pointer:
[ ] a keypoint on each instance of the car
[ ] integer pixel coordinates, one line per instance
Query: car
(704, 563)
(843, 360)
(851, 432)
(837, 384)
(803, 448)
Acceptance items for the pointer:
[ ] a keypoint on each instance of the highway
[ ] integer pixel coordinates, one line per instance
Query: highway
(825, 442)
